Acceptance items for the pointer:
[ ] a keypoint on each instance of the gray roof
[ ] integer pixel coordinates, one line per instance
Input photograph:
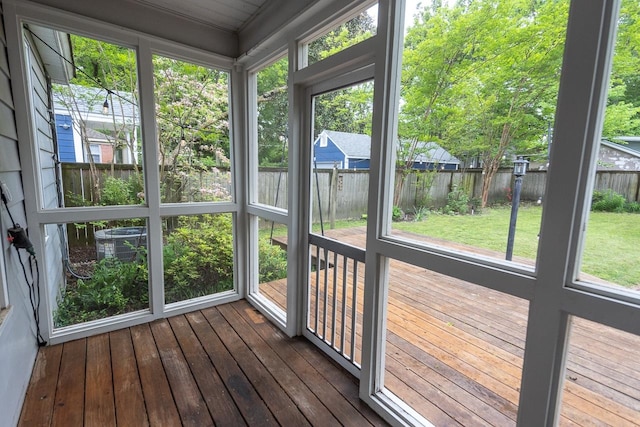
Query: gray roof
(626, 148)
(430, 152)
(358, 146)
(96, 135)
(632, 142)
(351, 144)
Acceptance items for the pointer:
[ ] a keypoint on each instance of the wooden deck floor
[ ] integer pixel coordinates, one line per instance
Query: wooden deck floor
(223, 366)
(454, 352)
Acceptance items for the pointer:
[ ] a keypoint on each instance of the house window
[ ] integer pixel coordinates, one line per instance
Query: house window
(95, 153)
(323, 140)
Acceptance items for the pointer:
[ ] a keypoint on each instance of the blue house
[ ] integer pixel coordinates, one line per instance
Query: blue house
(85, 131)
(64, 132)
(345, 150)
(342, 149)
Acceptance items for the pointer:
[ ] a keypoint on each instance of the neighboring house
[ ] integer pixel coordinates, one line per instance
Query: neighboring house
(430, 155)
(342, 150)
(619, 157)
(631, 142)
(345, 150)
(111, 136)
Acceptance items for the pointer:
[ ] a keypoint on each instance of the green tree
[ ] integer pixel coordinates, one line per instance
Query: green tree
(192, 113)
(622, 115)
(273, 114)
(481, 76)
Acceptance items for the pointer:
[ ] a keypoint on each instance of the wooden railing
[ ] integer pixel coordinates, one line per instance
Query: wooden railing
(336, 288)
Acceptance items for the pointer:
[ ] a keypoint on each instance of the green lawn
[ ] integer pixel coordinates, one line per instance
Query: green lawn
(610, 249)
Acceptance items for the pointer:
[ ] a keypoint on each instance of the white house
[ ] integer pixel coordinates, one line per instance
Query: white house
(111, 133)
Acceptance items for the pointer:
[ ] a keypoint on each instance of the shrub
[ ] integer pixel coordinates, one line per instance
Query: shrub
(457, 202)
(420, 213)
(115, 287)
(607, 201)
(118, 192)
(273, 261)
(632, 207)
(397, 214)
(198, 261)
(199, 257)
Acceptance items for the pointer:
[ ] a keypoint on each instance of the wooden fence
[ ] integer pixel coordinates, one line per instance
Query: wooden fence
(342, 194)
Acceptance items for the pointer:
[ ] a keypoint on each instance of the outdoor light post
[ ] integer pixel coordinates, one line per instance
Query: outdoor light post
(519, 170)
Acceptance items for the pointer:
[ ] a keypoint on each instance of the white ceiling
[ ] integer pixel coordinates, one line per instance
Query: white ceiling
(231, 28)
(229, 15)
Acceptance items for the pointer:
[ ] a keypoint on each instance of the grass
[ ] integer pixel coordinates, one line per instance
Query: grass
(610, 251)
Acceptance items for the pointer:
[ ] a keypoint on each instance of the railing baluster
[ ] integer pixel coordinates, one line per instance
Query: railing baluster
(326, 293)
(337, 255)
(317, 289)
(343, 322)
(354, 307)
(335, 300)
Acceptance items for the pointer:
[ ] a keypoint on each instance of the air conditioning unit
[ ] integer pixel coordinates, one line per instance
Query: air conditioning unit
(124, 243)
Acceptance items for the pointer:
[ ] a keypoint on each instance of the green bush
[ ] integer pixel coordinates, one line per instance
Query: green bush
(397, 214)
(118, 192)
(198, 257)
(608, 201)
(115, 287)
(273, 261)
(457, 202)
(198, 261)
(420, 213)
(632, 207)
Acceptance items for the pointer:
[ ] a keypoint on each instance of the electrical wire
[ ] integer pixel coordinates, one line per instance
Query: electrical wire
(94, 80)
(34, 292)
(34, 283)
(6, 204)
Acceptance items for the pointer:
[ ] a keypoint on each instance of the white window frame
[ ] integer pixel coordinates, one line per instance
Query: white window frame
(256, 210)
(15, 14)
(551, 289)
(4, 290)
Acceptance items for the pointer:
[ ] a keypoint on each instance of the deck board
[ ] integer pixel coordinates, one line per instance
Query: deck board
(454, 352)
(127, 389)
(38, 411)
(68, 410)
(217, 398)
(189, 401)
(253, 409)
(158, 398)
(455, 349)
(278, 401)
(99, 408)
(226, 365)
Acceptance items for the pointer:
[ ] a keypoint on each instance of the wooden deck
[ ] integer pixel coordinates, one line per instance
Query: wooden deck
(454, 352)
(221, 366)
